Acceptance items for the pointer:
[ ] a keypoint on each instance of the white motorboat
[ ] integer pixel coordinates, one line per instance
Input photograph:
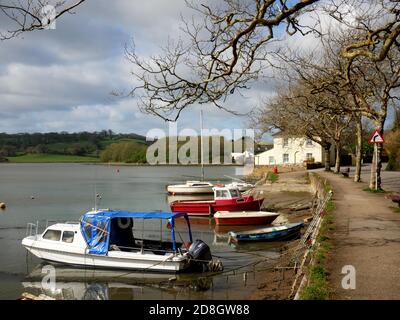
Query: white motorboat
(191, 187)
(242, 186)
(106, 239)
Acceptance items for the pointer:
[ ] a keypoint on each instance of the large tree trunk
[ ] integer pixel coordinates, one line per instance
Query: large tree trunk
(376, 170)
(327, 157)
(337, 157)
(359, 151)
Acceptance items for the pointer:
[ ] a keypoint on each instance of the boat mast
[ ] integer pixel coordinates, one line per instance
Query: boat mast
(201, 145)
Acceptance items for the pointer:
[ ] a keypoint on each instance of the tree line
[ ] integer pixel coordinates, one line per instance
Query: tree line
(62, 143)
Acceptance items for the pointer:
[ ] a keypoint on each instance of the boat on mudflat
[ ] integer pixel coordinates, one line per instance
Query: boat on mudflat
(283, 232)
(106, 239)
(191, 187)
(244, 217)
(225, 199)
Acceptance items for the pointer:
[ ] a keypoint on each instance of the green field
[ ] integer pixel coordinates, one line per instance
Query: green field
(49, 158)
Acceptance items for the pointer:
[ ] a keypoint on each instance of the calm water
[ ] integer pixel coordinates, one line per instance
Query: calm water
(65, 191)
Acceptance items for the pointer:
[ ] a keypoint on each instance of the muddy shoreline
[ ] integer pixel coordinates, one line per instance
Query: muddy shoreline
(293, 197)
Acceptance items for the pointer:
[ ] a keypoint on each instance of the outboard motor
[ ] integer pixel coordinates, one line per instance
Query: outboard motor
(200, 253)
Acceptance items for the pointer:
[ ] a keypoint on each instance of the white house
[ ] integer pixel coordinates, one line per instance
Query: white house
(290, 151)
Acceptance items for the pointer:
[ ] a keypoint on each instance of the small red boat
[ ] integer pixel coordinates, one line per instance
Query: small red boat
(244, 217)
(225, 199)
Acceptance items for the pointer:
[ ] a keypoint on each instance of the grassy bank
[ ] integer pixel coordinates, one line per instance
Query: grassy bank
(50, 158)
(318, 285)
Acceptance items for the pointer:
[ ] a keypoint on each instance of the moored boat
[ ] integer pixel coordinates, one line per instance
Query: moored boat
(282, 232)
(191, 187)
(105, 239)
(225, 199)
(244, 217)
(242, 186)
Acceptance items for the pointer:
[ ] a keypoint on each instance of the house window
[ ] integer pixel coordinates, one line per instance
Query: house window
(271, 160)
(309, 156)
(309, 142)
(286, 142)
(286, 158)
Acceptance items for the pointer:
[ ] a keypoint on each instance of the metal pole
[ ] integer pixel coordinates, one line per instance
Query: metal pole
(376, 166)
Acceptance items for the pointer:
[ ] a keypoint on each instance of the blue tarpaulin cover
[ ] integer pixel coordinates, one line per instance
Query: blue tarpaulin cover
(95, 226)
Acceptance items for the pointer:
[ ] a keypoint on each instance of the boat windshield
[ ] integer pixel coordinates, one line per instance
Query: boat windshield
(222, 193)
(235, 193)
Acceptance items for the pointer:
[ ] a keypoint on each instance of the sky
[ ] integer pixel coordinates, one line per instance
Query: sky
(62, 79)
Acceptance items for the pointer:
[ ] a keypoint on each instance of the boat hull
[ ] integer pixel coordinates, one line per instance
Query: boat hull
(267, 234)
(189, 190)
(208, 208)
(113, 260)
(244, 218)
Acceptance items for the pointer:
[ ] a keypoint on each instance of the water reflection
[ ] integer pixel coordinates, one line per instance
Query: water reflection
(92, 284)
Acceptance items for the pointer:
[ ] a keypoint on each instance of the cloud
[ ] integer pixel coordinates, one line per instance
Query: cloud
(61, 79)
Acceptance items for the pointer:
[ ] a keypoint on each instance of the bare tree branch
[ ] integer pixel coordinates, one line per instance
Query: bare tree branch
(226, 51)
(28, 15)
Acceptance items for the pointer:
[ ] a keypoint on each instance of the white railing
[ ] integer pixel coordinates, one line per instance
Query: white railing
(32, 227)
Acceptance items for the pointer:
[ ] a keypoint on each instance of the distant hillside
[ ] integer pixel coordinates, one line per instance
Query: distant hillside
(81, 146)
(105, 146)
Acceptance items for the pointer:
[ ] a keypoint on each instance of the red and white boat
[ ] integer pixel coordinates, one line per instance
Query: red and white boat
(225, 199)
(244, 217)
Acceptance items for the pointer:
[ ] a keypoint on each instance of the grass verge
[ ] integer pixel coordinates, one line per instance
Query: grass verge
(396, 210)
(273, 177)
(374, 190)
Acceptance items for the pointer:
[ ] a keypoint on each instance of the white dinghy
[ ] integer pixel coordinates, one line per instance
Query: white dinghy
(191, 187)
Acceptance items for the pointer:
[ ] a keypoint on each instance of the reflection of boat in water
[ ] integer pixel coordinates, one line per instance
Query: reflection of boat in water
(96, 284)
(105, 239)
(77, 290)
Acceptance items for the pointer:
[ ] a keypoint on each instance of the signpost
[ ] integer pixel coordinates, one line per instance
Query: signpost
(376, 139)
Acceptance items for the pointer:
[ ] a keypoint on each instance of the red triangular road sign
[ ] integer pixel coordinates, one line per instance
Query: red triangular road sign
(376, 137)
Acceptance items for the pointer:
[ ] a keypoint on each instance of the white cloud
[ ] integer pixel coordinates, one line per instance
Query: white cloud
(61, 79)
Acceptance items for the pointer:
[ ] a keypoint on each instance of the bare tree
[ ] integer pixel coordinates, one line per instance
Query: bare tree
(226, 50)
(379, 25)
(30, 15)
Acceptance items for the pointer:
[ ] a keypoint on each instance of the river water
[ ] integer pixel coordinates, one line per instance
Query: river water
(63, 192)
